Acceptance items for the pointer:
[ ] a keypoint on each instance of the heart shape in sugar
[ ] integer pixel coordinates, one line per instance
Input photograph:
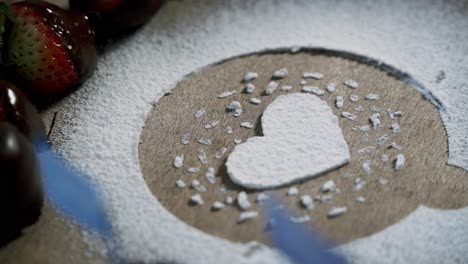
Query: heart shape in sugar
(301, 140)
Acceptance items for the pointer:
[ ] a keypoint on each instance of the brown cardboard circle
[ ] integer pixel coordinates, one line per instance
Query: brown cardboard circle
(425, 179)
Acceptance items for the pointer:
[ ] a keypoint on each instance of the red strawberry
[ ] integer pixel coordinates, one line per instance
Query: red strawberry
(53, 49)
(118, 16)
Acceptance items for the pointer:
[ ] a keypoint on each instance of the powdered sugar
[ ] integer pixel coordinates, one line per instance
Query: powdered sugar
(291, 122)
(187, 35)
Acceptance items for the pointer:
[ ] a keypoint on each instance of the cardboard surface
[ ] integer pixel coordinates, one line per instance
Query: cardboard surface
(425, 179)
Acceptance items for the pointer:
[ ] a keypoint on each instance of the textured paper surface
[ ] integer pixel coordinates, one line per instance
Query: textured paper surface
(105, 116)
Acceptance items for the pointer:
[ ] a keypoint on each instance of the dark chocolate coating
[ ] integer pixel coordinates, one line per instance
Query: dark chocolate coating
(125, 15)
(16, 109)
(21, 194)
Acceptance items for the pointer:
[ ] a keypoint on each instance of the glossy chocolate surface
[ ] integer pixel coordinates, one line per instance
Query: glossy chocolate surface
(16, 109)
(21, 195)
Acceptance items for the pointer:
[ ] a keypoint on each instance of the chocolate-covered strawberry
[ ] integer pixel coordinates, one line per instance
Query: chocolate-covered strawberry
(118, 16)
(53, 49)
(21, 195)
(16, 109)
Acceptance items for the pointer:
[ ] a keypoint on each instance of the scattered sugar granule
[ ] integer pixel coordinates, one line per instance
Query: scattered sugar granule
(237, 112)
(211, 124)
(281, 73)
(331, 87)
(307, 202)
(237, 141)
(178, 161)
(204, 141)
(229, 130)
(180, 184)
(303, 82)
(328, 186)
(271, 87)
(196, 199)
(383, 181)
(354, 98)
(366, 166)
(384, 157)
(293, 191)
(255, 101)
(226, 94)
(375, 109)
(337, 211)
(359, 184)
(359, 108)
(313, 89)
(243, 201)
(244, 216)
(400, 162)
(202, 157)
(361, 128)
(198, 114)
(347, 175)
(234, 105)
(262, 197)
(394, 114)
(339, 101)
(395, 146)
(250, 76)
(375, 120)
(220, 153)
(395, 128)
(295, 49)
(218, 206)
(351, 84)
(366, 150)
(299, 219)
(229, 200)
(286, 88)
(200, 188)
(360, 199)
(185, 139)
(326, 198)
(314, 75)
(381, 140)
(195, 183)
(372, 97)
(349, 116)
(249, 88)
(210, 175)
(193, 170)
(247, 125)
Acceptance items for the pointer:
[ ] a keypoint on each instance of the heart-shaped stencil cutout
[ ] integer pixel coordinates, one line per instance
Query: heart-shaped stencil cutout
(302, 139)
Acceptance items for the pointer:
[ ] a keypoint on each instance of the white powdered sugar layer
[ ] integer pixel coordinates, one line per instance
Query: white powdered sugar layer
(104, 118)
